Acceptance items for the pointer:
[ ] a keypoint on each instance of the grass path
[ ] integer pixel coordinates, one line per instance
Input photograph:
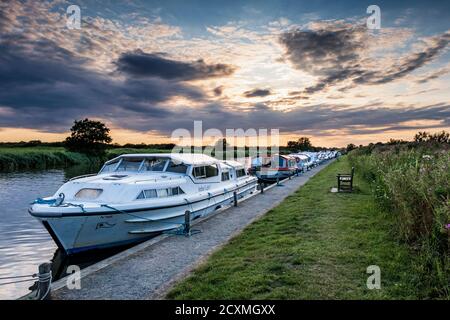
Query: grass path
(315, 245)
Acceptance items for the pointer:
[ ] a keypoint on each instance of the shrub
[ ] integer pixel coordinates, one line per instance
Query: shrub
(413, 185)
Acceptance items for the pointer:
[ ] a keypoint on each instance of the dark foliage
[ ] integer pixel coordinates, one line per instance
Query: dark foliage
(88, 137)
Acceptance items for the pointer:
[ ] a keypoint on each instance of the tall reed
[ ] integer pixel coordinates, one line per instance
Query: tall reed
(412, 184)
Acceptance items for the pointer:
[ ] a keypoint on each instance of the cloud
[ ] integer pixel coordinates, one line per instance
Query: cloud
(340, 53)
(434, 75)
(257, 93)
(218, 91)
(48, 91)
(141, 64)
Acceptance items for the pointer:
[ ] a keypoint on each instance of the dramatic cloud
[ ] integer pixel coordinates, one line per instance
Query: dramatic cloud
(344, 53)
(49, 91)
(143, 64)
(133, 70)
(257, 93)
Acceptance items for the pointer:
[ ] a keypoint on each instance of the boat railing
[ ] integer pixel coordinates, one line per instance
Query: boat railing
(83, 176)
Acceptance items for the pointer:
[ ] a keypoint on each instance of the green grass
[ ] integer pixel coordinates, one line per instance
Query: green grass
(314, 245)
(27, 158)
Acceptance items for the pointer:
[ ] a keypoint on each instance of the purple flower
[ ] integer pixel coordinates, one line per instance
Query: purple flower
(447, 226)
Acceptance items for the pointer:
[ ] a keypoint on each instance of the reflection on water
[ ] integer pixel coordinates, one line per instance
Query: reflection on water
(24, 243)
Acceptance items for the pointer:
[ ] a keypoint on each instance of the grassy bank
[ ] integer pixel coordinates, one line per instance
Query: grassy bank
(315, 245)
(412, 184)
(27, 158)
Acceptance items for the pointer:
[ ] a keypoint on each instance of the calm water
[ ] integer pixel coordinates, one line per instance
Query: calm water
(24, 243)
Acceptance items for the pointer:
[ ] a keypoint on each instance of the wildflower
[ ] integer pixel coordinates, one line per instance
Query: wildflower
(447, 226)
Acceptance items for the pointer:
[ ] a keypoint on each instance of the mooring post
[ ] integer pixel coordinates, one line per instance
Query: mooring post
(261, 187)
(278, 181)
(187, 223)
(45, 280)
(235, 199)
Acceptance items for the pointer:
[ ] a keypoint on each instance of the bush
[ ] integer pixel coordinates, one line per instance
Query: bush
(413, 184)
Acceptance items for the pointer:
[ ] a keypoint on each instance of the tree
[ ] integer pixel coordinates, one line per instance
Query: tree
(302, 144)
(88, 136)
(350, 147)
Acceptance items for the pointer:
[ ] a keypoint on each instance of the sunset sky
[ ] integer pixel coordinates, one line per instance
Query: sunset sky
(146, 68)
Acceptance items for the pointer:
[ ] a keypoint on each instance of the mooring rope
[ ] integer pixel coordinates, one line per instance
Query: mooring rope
(34, 275)
(139, 217)
(45, 277)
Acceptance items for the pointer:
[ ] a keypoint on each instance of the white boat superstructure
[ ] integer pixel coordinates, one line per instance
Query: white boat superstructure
(135, 196)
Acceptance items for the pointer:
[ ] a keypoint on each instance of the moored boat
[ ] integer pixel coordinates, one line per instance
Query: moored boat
(136, 196)
(276, 167)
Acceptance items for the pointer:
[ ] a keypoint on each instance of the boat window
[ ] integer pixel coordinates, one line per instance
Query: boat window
(141, 195)
(205, 172)
(176, 168)
(199, 172)
(225, 176)
(150, 193)
(160, 193)
(156, 164)
(109, 167)
(130, 164)
(240, 173)
(212, 171)
(88, 193)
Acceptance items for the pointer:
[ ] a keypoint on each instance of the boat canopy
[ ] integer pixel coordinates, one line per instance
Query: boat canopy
(170, 162)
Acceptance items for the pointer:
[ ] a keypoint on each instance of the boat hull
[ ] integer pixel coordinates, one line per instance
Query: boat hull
(88, 231)
(274, 175)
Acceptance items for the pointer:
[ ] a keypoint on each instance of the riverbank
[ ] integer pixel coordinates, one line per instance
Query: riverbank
(147, 270)
(31, 158)
(314, 245)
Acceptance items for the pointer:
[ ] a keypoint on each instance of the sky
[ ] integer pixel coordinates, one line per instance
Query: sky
(147, 68)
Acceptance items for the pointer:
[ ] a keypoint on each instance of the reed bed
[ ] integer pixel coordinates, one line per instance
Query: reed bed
(32, 158)
(412, 184)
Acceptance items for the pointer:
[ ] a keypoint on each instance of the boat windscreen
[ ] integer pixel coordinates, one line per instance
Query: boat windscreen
(130, 164)
(154, 164)
(109, 167)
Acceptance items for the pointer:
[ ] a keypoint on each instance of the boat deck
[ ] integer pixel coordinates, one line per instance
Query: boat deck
(148, 270)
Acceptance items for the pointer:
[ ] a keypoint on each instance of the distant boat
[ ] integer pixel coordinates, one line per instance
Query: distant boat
(136, 196)
(274, 168)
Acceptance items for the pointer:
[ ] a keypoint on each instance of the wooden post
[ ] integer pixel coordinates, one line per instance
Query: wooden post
(261, 187)
(235, 199)
(187, 223)
(278, 181)
(45, 280)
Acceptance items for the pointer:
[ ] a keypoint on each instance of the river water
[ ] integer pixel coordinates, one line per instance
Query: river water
(24, 242)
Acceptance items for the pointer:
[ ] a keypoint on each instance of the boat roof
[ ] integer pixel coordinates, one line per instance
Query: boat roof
(234, 164)
(186, 158)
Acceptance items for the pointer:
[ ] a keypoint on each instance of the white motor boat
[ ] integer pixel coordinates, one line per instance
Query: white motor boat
(136, 196)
